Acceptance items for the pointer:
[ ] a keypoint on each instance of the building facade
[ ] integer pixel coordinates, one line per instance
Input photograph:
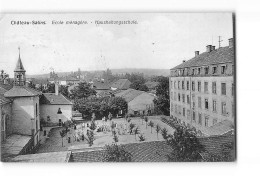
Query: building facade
(202, 89)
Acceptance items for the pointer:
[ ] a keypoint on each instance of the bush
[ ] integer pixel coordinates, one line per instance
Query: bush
(141, 137)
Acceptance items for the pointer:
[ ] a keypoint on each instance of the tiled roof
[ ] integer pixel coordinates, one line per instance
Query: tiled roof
(219, 128)
(40, 81)
(155, 151)
(121, 84)
(21, 91)
(51, 98)
(220, 55)
(129, 94)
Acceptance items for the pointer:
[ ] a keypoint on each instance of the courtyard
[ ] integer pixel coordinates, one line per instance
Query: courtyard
(103, 134)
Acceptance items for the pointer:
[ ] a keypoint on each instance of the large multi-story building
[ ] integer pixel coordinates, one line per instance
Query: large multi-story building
(202, 91)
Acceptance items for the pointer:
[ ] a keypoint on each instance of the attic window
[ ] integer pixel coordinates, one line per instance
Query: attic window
(223, 69)
(59, 111)
(214, 69)
(198, 71)
(206, 70)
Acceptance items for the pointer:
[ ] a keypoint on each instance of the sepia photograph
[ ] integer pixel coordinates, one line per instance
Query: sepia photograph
(118, 87)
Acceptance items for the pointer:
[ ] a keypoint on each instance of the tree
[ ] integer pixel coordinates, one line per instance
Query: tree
(136, 131)
(151, 124)
(117, 104)
(185, 146)
(162, 101)
(63, 133)
(157, 128)
(141, 137)
(139, 85)
(83, 90)
(131, 126)
(164, 133)
(64, 90)
(115, 153)
(146, 120)
(90, 137)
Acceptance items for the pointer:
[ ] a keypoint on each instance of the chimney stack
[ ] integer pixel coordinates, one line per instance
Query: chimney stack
(183, 61)
(231, 42)
(197, 53)
(56, 88)
(209, 48)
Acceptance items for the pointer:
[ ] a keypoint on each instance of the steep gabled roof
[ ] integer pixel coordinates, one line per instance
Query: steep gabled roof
(19, 66)
(101, 86)
(129, 94)
(21, 91)
(218, 56)
(52, 99)
(121, 84)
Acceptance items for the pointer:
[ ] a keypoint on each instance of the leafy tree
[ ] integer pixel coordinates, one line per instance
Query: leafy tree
(115, 137)
(117, 104)
(157, 128)
(115, 153)
(151, 124)
(146, 120)
(164, 133)
(139, 85)
(131, 126)
(62, 134)
(83, 90)
(185, 146)
(162, 101)
(141, 137)
(93, 125)
(136, 131)
(90, 137)
(50, 88)
(64, 90)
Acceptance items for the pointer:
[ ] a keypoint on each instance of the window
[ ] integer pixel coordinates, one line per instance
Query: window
(179, 97)
(188, 99)
(188, 85)
(188, 113)
(183, 98)
(199, 102)
(36, 125)
(214, 87)
(223, 69)
(214, 106)
(206, 104)
(175, 95)
(198, 71)
(223, 88)
(215, 121)
(206, 70)
(174, 84)
(36, 110)
(200, 119)
(214, 70)
(206, 85)
(182, 84)
(193, 72)
(224, 106)
(48, 118)
(206, 121)
(193, 86)
(178, 84)
(176, 109)
(199, 86)
(193, 116)
(183, 112)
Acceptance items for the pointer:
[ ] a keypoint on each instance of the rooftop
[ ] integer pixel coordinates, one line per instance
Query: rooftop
(21, 91)
(129, 94)
(218, 56)
(220, 128)
(101, 86)
(13, 145)
(121, 84)
(52, 98)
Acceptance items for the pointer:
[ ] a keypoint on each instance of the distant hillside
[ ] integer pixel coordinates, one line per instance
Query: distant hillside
(146, 71)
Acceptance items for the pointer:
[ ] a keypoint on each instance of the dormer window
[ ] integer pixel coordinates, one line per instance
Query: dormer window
(214, 69)
(206, 70)
(193, 71)
(198, 71)
(223, 69)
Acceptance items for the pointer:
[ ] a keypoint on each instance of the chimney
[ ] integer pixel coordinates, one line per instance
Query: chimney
(231, 42)
(183, 61)
(213, 48)
(56, 88)
(197, 53)
(209, 48)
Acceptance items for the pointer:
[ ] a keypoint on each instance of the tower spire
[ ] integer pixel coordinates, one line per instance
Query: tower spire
(19, 72)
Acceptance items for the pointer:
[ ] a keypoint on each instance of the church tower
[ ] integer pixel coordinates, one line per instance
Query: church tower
(19, 73)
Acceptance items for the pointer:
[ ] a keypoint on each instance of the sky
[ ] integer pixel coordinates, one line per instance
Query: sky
(157, 40)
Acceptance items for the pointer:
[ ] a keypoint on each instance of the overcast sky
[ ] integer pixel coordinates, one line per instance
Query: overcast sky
(159, 40)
